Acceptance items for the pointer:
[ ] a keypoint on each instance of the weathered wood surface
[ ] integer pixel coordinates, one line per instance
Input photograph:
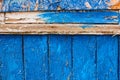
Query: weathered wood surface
(60, 57)
(35, 57)
(34, 5)
(59, 29)
(63, 17)
(2, 18)
(84, 53)
(56, 57)
(11, 59)
(107, 58)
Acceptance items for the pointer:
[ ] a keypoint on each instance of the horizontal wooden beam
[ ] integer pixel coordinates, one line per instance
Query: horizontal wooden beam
(59, 29)
(101, 17)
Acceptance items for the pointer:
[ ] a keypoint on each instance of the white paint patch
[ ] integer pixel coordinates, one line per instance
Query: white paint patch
(87, 4)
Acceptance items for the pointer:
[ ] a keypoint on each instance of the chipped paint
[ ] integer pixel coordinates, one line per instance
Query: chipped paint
(79, 17)
(35, 5)
(87, 4)
(116, 6)
(87, 26)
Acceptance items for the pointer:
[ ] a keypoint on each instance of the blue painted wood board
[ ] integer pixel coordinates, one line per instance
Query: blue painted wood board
(79, 17)
(35, 57)
(33, 5)
(84, 53)
(63, 17)
(119, 59)
(107, 58)
(60, 57)
(11, 59)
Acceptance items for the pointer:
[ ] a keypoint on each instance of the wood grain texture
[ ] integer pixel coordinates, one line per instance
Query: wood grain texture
(2, 18)
(59, 29)
(33, 5)
(63, 17)
(35, 57)
(107, 57)
(84, 51)
(11, 64)
(60, 58)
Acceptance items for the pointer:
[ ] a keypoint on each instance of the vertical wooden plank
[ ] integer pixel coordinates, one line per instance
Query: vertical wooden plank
(11, 65)
(84, 66)
(107, 57)
(119, 59)
(60, 57)
(1, 18)
(35, 57)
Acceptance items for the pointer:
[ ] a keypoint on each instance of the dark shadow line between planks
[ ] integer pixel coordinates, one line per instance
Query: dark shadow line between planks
(96, 55)
(72, 57)
(23, 58)
(65, 10)
(48, 56)
(118, 57)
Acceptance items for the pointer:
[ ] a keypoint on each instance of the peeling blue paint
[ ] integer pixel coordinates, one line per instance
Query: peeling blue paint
(80, 17)
(86, 26)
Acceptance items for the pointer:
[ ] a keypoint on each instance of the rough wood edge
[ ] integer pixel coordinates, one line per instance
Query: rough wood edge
(2, 16)
(32, 17)
(70, 29)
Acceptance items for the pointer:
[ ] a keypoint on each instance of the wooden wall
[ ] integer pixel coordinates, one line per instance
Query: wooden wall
(59, 57)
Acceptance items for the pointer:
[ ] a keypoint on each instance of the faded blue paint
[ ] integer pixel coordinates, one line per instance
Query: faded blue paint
(11, 64)
(36, 57)
(107, 58)
(80, 17)
(26, 5)
(87, 26)
(84, 51)
(60, 58)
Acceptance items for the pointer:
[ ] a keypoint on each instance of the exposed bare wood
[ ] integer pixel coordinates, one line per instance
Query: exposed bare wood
(1, 4)
(62, 17)
(22, 17)
(58, 29)
(1, 18)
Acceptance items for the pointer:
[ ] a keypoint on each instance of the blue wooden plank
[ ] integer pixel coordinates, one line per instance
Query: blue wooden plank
(119, 59)
(107, 58)
(79, 17)
(64, 17)
(60, 57)
(11, 64)
(84, 62)
(35, 57)
(32, 5)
